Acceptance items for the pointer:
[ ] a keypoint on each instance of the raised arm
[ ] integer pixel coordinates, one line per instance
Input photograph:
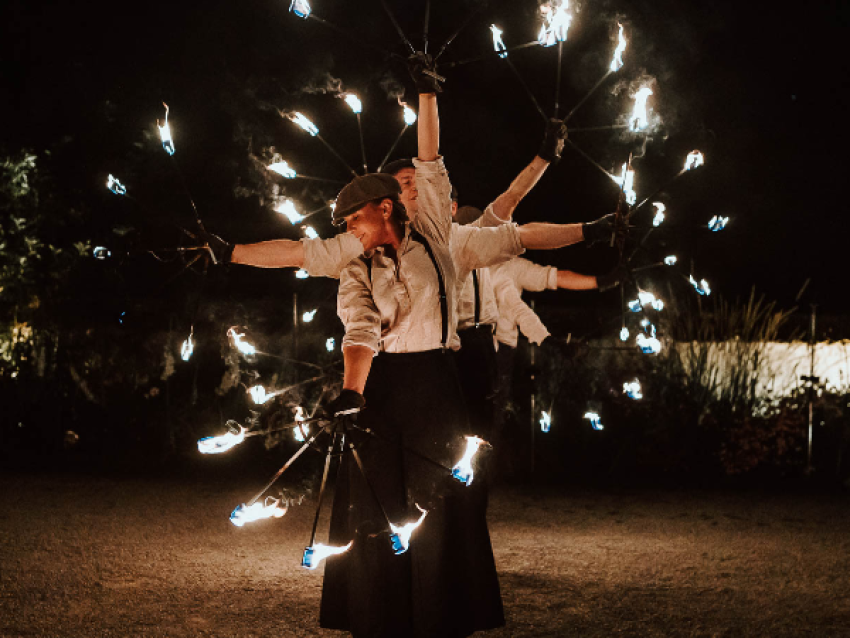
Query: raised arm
(428, 128)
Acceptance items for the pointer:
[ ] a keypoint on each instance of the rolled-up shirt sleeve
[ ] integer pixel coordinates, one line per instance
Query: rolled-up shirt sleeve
(434, 195)
(474, 247)
(530, 276)
(513, 313)
(328, 257)
(356, 307)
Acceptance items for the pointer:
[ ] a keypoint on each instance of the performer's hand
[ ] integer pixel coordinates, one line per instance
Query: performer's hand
(612, 279)
(553, 141)
(602, 229)
(423, 70)
(348, 402)
(220, 250)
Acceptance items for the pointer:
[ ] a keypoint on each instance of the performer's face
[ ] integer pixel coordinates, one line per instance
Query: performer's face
(370, 223)
(409, 195)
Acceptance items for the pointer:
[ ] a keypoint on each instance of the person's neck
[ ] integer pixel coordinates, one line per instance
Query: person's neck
(394, 234)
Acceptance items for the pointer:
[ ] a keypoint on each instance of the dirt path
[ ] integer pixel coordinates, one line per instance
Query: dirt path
(106, 557)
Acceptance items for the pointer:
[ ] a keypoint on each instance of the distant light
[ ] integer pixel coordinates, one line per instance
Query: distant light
(671, 260)
(165, 133)
(330, 344)
(354, 102)
(101, 253)
(311, 232)
(545, 421)
(301, 8)
(301, 274)
(287, 208)
(633, 390)
(648, 345)
(624, 334)
(115, 186)
(717, 223)
(258, 394)
(659, 214)
(595, 420)
(282, 168)
(308, 316)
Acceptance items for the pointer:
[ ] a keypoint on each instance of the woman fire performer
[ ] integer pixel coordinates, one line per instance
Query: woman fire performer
(399, 310)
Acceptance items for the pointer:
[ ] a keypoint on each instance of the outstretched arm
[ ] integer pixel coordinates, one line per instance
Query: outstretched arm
(505, 204)
(278, 253)
(541, 236)
(570, 280)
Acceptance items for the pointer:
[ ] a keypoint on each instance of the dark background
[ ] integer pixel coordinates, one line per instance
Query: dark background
(758, 88)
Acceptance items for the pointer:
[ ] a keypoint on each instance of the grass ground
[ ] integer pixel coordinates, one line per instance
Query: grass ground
(93, 557)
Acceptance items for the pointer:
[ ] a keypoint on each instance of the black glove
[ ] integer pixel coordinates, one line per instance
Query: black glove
(348, 402)
(602, 229)
(423, 70)
(220, 250)
(553, 141)
(612, 279)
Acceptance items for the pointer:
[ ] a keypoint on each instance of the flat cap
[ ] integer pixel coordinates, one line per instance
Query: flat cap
(396, 165)
(362, 190)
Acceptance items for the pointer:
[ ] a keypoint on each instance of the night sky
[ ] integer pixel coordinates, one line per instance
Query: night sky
(760, 88)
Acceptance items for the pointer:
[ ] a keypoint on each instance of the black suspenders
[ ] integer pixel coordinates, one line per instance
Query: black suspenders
(444, 304)
(477, 297)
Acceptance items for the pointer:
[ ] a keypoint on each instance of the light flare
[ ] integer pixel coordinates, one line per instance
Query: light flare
(633, 390)
(243, 346)
(301, 8)
(695, 159)
(659, 214)
(165, 133)
(318, 552)
(115, 186)
(463, 471)
(224, 442)
(498, 46)
(353, 102)
(301, 120)
(639, 119)
(556, 22)
(400, 537)
(288, 210)
(545, 421)
(283, 169)
(270, 508)
(617, 60)
(311, 232)
(595, 420)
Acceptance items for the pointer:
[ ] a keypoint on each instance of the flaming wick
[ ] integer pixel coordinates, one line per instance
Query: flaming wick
(545, 421)
(463, 471)
(639, 119)
(243, 346)
(617, 61)
(115, 186)
(318, 552)
(498, 46)
(223, 443)
(270, 508)
(400, 538)
(165, 133)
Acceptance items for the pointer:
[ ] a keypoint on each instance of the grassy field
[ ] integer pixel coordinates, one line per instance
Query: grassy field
(83, 556)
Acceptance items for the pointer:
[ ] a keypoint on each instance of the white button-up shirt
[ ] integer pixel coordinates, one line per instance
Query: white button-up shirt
(509, 280)
(396, 308)
(327, 257)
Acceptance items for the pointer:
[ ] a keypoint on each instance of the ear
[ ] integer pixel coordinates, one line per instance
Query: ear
(387, 206)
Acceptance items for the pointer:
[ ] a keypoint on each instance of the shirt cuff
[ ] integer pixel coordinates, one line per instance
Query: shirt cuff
(552, 279)
(327, 257)
(360, 338)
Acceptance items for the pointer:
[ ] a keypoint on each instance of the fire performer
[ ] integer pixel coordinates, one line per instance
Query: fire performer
(398, 307)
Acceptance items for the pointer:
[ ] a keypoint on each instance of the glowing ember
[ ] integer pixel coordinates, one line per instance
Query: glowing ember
(648, 345)
(301, 274)
(308, 316)
(702, 287)
(639, 119)
(165, 133)
(304, 123)
(330, 344)
(115, 186)
(258, 394)
(717, 223)
(223, 443)
(270, 508)
(353, 102)
(671, 260)
(545, 421)
(498, 46)
(409, 115)
(695, 159)
(187, 348)
(299, 431)
(624, 334)
(595, 420)
(626, 181)
(301, 8)
(315, 554)
(617, 61)
(311, 232)
(400, 538)
(633, 390)
(282, 168)
(287, 208)
(101, 252)
(556, 22)
(659, 214)
(243, 346)
(463, 470)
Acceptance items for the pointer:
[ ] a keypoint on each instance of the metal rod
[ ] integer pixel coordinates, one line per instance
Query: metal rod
(609, 127)
(322, 488)
(362, 144)
(368, 482)
(655, 193)
(490, 54)
(461, 28)
(527, 90)
(392, 148)
(587, 97)
(189, 195)
(286, 465)
(812, 380)
(558, 80)
(337, 155)
(588, 158)
(397, 26)
(374, 435)
(426, 24)
(318, 179)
